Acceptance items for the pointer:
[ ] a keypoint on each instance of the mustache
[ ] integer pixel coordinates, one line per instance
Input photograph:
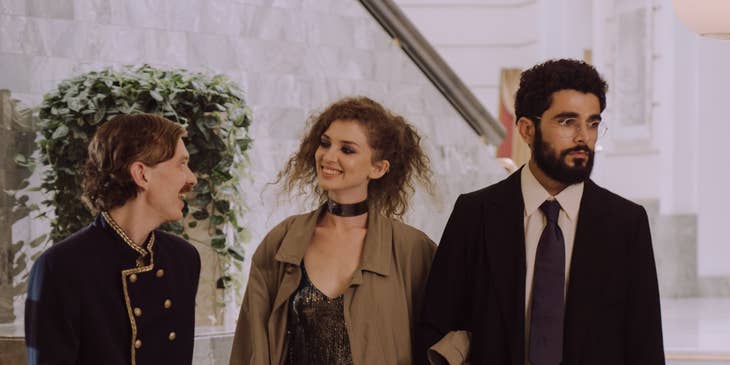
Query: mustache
(581, 148)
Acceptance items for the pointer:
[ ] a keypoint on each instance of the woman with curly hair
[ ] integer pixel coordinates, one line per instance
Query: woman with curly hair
(342, 284)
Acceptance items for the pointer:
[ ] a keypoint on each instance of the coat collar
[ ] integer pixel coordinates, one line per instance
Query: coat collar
(506, 243)
(113, 241)
(507, 256)
(376, 249)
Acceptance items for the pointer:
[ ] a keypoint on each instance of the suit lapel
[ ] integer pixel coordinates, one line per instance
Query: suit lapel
(505, 246)
(586, 268)
(506, 251)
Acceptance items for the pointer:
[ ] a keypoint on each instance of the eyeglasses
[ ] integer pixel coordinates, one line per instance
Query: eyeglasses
(569, 127)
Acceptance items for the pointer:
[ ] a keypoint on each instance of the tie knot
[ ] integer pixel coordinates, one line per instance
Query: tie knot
(551, 208)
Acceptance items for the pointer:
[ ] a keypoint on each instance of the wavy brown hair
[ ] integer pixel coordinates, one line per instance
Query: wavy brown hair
(390, 136)
(118, 143)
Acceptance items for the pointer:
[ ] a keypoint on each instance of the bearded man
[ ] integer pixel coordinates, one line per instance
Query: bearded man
(120, 291)
(546, 267)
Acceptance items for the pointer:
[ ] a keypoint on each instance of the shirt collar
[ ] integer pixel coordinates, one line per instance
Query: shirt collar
(534, 194)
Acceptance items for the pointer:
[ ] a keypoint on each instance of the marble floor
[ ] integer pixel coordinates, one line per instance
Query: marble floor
(696, 332)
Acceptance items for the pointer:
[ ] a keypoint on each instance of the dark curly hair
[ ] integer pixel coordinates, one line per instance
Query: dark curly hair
(124, 139)
(538, 84)
(390, 136)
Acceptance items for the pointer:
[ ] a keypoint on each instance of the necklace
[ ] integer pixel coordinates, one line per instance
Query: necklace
(347, 210)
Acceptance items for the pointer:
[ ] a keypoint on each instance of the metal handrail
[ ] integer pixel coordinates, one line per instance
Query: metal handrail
(392, 19)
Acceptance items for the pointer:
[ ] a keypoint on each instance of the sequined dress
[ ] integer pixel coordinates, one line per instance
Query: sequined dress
(316, 333)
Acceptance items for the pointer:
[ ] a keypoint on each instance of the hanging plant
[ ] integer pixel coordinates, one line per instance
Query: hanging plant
(216, 117)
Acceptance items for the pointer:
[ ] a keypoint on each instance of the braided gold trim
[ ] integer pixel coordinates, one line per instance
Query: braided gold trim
(137, 270)
(127, 301)
(126, 238)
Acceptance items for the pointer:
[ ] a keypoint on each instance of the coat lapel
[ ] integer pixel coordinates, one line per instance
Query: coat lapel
(289, 256)
(505, 246)
(587, 266)
(291, 253)
(506, 251)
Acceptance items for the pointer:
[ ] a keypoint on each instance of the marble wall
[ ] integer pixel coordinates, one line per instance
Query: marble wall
(674, 238)
(676, 251)
(291, 57)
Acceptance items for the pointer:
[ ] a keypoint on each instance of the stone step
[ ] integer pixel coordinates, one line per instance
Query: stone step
(697, 360)
(696, 332)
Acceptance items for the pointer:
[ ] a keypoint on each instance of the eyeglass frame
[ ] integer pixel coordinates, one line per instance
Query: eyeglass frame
(599, 132)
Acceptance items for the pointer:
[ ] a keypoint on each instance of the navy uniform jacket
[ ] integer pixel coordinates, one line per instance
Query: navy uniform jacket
(477, 281)
(90, 303)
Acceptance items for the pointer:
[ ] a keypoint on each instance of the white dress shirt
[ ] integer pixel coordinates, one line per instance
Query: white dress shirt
(534, 194)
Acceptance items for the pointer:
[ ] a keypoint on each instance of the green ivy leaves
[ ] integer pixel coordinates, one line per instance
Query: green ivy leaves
(213, 110)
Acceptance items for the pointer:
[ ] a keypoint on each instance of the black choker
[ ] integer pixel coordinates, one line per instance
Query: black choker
(347, 210)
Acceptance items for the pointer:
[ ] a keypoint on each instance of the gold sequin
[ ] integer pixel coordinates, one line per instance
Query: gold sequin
(133, 278)
(168, 304)
(137, 344)
(316, 331)
(172, 336)
(160, 273)
(137, 311)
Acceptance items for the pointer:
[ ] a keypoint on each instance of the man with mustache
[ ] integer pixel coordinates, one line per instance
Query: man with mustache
(120, 291)
(546, 267)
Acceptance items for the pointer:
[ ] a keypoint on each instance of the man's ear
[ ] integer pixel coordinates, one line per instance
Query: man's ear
(526, 127)
(137, 170)
(379, 169)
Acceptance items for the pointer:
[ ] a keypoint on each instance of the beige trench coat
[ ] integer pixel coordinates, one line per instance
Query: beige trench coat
(380, 304)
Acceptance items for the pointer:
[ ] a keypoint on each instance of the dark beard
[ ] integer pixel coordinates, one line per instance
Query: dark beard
(555, 167)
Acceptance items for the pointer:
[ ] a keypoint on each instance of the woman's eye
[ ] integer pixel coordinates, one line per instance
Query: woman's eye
(347, 150)
(324, 143)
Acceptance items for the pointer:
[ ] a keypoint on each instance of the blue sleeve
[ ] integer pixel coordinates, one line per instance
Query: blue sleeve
(51, 316)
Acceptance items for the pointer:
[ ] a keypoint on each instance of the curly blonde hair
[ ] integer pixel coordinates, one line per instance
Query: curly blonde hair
(390, 136)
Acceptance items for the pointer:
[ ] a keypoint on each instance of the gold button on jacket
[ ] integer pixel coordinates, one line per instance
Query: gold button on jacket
(97, 270)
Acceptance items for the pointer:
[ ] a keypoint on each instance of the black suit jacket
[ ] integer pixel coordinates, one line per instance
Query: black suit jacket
(79, 311)
(477, 281)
